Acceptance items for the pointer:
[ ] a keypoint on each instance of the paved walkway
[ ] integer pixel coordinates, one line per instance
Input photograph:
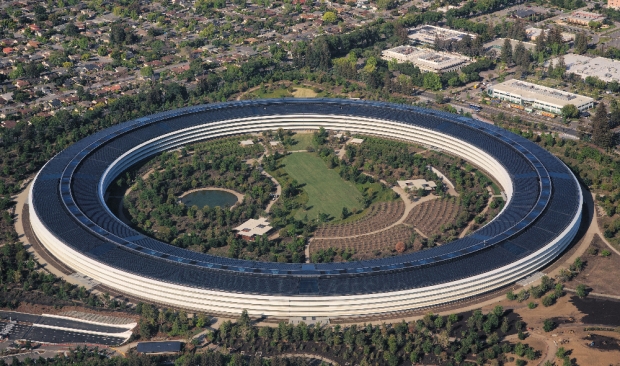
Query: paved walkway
(451, 190)
(274, 180)
(473, 221)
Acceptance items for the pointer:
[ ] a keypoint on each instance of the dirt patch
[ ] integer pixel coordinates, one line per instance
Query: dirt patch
(599, 354)
(597, 310)
(563, 308)
(563, 320)
(601, 342)
(599, 270)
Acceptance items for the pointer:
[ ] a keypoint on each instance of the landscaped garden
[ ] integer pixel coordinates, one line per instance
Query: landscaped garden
(342, 202)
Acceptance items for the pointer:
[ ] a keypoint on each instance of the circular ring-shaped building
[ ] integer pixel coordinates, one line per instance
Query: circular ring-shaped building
(69, 217)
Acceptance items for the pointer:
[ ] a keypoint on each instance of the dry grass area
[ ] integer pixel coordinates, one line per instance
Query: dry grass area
(601, 274)
(380, 215)
(304, 93)
(429, 217)
(376, 245)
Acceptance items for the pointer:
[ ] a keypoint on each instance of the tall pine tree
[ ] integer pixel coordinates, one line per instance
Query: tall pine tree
(540, 42)
(601, 133)
(506, 54)
(581, 43)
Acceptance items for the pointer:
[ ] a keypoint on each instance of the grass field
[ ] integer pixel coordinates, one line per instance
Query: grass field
(303, 141)
(327, 192)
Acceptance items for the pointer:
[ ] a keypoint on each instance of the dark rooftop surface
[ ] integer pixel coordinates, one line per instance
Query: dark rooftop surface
(545, 201)
(159, 347)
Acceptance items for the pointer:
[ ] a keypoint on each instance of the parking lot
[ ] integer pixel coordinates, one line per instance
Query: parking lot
(44, 329)
(75, 324)
(46, 335)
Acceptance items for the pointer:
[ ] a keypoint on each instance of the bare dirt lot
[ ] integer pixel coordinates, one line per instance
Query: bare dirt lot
(600, 273)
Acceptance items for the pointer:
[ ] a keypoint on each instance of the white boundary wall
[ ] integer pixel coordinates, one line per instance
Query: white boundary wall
(294, 306)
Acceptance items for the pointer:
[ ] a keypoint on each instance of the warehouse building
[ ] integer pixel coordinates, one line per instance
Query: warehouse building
(539, 97)
(426, 59)
(603, 68)
(426, 34)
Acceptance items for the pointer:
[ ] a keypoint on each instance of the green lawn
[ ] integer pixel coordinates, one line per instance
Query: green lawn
(303, 140)
(326, 191)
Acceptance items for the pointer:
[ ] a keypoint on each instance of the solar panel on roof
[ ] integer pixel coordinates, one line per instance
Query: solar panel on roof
(525, 196)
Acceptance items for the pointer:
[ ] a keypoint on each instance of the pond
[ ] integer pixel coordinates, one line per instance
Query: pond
(209, 198)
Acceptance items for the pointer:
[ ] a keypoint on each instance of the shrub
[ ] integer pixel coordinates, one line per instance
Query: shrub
(605, 253)
(548, 325)
(520, 349)
(523, 295)
(581, 290)
(510, 295)
(531, 305)
(548, 300)
(560, 353)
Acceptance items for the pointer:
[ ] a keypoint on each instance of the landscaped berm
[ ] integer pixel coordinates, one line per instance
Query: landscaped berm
(327, 192)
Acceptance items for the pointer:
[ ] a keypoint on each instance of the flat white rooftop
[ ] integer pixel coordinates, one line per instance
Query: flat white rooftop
(603, 68)
(254, 227)
(535, 92)
(427, 33)
(416, 184)
(247, 142)
(425, 58)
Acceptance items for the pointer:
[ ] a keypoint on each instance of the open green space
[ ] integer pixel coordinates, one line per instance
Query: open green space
(277, 93)
(302, 141)
(327, 191)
